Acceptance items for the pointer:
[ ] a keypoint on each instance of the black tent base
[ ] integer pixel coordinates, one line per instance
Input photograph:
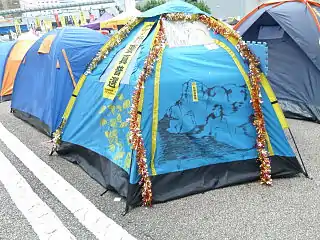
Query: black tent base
(33, 121)
(300, 117)
(174, 185)
(5, 98)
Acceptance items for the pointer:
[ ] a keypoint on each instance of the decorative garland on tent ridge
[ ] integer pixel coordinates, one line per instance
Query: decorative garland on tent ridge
(136, 138)
(254, 75)
(114, 41)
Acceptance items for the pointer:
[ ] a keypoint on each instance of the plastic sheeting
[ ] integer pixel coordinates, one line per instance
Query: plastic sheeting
(180, 33)
(43, 90)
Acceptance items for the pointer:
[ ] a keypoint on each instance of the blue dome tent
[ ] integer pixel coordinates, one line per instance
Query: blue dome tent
(4, 54)
(49, 73)
(292, 31)
(194, 111)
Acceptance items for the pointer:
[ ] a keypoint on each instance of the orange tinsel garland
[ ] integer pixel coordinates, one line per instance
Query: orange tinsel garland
(135, 131)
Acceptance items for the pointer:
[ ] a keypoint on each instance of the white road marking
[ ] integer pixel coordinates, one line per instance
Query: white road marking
(43, 220)
(87, 214)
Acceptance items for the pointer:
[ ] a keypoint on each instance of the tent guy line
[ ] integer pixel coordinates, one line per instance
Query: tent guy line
(86, 213)
(43, 220)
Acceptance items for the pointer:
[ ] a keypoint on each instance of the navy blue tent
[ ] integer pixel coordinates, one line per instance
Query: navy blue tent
(292, 32)
(44, 84)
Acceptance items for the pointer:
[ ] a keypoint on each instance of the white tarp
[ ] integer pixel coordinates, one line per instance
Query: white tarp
(183, 33)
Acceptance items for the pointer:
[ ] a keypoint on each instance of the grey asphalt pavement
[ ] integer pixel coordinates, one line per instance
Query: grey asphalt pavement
(287, 210)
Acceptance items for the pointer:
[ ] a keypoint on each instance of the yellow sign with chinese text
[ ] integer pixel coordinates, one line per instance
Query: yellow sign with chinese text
(112, 83)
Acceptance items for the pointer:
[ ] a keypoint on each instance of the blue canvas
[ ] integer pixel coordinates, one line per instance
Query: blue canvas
(42, 88)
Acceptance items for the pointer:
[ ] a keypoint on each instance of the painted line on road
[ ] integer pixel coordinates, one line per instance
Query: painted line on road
(87, 214)
(42, 219)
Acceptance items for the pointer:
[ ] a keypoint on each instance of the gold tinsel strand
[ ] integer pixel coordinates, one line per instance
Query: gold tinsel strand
(135, 131)
(256, 98)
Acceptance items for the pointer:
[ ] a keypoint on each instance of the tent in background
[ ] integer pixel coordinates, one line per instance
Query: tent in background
(95, 25)
(292, 31)
(44, 82)
(121, 19)
(4, 54)
(12, 65)
(194, 111)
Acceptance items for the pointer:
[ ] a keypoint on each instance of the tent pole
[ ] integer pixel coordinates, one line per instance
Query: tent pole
(104, 192)
(127, 208)
(69, 67)
(304, 167)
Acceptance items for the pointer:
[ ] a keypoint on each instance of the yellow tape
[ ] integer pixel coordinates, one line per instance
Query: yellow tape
(273, 99)
(265, 85)
(155, 111)
(247, 80)
(111, 22)
(194, 92)
(236, 61)
(74, 97)
(112, 83)
(155, 105)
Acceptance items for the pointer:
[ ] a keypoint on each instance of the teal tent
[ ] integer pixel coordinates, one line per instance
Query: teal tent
(194, 111)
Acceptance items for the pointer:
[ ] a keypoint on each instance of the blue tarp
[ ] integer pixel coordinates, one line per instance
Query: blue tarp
(5, 49)
(43, 84)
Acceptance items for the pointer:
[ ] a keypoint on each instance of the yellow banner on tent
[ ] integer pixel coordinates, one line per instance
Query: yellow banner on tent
(37, 22)
(75, 21)
(48, 24)
(111, 23)
(63, 21)
(82, 18)
(112, 83)
(17, 27)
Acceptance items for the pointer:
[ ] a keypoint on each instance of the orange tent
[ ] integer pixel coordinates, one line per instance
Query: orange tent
(12, 65)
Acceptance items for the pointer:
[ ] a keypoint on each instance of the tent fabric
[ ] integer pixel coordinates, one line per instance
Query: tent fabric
(294, 59)
(95, 25)
(196, 119)
(12, 65)
(172, 7)
(4, 54)
(42, 90)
